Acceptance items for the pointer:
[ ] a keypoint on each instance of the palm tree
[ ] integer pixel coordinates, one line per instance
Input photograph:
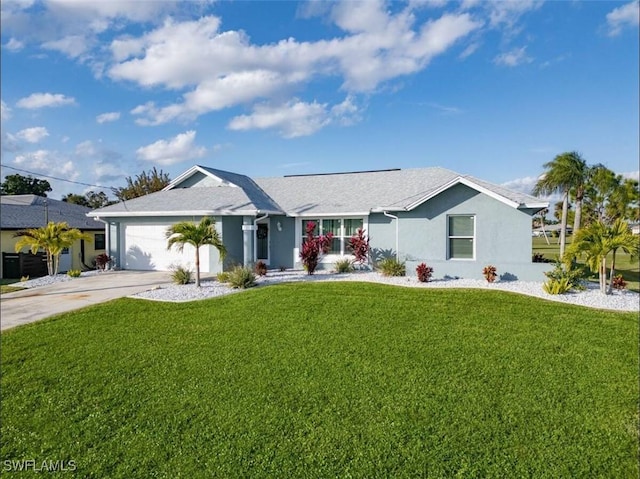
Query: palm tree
(597, 240)
(52, 238)
(566, 171)
(197, 235)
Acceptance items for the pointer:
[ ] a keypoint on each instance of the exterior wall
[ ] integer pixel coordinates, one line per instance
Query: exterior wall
(199, 180)
(282, 243)
(502, 237)
(8, 243)
(233, 240)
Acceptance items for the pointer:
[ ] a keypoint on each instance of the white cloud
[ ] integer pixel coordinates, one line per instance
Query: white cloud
(168, 152)
(628, 15)
(632, 175)
(293, 119)
(522, 185)
(5, 111)
(33, 135)
(224, 69)
(515, 57)
(48, 163)
(42, 100)
(297, 118)
(14, 45)
(73, 45)
(108, 117)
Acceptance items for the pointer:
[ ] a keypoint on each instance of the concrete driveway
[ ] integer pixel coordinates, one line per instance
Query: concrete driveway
(29, 305)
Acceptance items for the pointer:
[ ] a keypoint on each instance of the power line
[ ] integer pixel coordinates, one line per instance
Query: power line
(55, 177)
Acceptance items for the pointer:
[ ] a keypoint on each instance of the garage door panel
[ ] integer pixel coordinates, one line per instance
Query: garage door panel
(146, 249)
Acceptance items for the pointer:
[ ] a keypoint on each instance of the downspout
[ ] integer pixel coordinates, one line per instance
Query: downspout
(397, 236)
(255, 236)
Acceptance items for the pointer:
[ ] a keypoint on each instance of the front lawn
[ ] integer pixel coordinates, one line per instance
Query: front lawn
(327, 380)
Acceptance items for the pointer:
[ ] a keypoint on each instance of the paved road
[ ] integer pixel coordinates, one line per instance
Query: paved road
(27, 306)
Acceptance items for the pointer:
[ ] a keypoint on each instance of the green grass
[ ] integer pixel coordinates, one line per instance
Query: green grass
(327, 380)
(9, 286)
(630, 270)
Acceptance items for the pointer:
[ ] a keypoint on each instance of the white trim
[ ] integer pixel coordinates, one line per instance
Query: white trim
(190, 172)
(133, 214)
(358, 214)
(473, 238)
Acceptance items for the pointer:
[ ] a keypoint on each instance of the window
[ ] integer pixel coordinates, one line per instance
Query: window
(461, 236)
(342, 229)
(99, 241)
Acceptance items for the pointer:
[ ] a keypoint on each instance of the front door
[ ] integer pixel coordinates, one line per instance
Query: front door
(64, 263)
(262, 242)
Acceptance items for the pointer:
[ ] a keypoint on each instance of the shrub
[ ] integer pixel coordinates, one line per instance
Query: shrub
(618, 282)
(392, 267)
(539, 258)
(102, 261)
(557, 286)
(223, 277)
(571, 272)
(74, 273)
(242, 278)
(424, 273)
(181, 274)
(489, 273)
(344, 265)
(312, 247)
(359, 246)
(261, 268)
(24, 279)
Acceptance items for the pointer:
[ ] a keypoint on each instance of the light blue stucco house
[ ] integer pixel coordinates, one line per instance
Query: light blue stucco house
(455, 223)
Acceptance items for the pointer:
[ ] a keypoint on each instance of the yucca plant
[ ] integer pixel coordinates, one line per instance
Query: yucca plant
(392, 267)
(242, 277)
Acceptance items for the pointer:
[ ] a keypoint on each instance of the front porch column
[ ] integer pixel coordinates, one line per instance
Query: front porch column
(248, 229)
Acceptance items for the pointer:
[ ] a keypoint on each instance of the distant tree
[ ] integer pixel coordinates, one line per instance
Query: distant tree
(197, 235)
(142, 185)
(566, 171)
(98, 200)
(52, 238)
(610, 196)
(24, 185)
(75, 199)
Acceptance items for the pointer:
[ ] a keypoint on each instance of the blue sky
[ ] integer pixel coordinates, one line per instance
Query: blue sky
(93, 92)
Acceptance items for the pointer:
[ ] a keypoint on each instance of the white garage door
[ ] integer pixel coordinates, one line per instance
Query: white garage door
(146, 249)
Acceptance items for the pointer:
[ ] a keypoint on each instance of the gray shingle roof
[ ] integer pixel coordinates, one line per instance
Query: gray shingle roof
(223, 200)
(28, 211)
(308, 195)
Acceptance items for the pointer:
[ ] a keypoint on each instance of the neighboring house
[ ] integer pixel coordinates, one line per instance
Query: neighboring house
(19, 212)
(456, 224)
(635, 228)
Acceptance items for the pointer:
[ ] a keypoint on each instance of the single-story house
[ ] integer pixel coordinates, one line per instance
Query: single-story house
(20, 212)
(455, 223)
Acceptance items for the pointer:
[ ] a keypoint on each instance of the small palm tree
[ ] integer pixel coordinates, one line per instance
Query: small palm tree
(566, 171)
(597, 240)
(52, 238)
(197, 235)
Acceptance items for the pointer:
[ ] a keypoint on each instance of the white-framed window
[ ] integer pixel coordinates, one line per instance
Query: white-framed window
(461, 234)
(342, 228)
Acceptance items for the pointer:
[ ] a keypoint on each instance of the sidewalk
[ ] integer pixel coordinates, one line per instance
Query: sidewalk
(29, 305)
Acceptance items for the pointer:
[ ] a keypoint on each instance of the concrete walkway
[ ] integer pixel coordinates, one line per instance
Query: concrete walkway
(29, 305)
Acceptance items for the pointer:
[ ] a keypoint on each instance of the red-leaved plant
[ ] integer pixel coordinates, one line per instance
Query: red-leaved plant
(618, 282)
(424, 273)
(489, 273)
(312, 247)
(359, 246)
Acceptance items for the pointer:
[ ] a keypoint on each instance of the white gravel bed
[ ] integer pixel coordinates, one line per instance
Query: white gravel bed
(618, 300)
(58, 278)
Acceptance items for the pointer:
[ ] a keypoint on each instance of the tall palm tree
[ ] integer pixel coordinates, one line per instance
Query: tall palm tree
(566, 171)
(597, 240)
(52, 238)
(197, 235)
